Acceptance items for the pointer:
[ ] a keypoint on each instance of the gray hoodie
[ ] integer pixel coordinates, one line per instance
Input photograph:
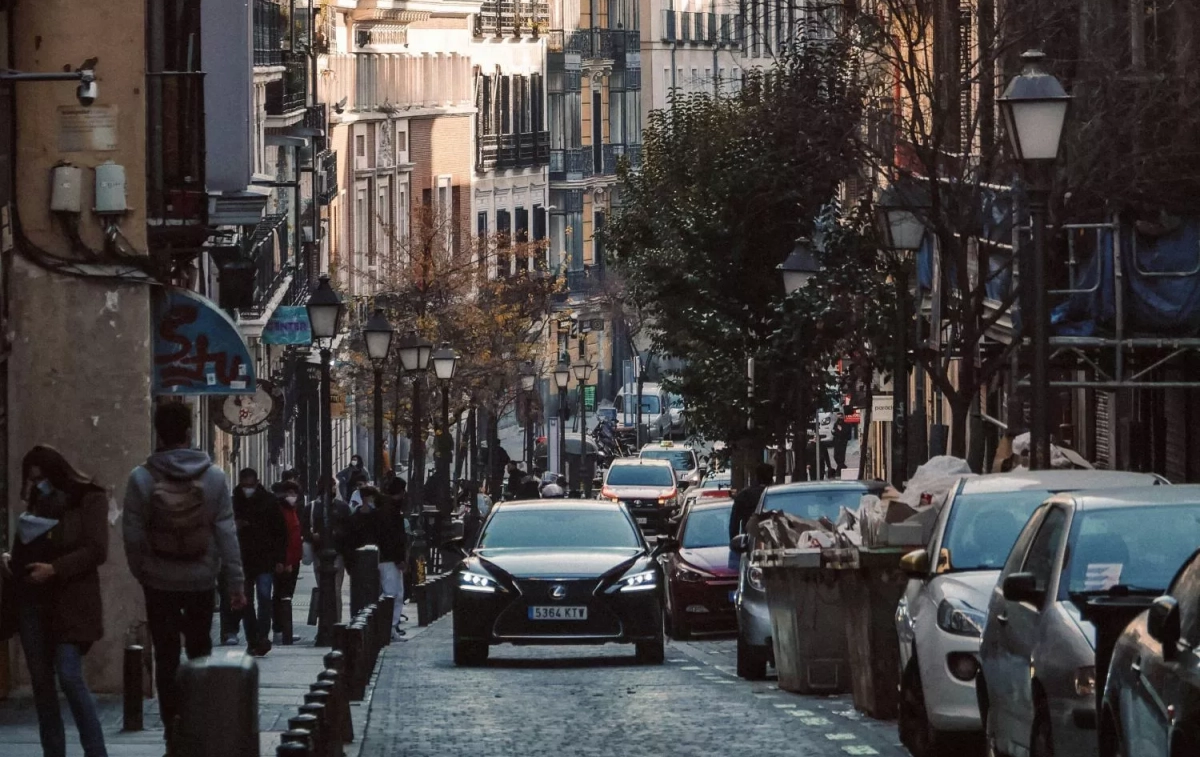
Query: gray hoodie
(223, 554)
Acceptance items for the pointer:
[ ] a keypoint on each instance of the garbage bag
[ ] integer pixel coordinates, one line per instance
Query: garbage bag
(1060, 457)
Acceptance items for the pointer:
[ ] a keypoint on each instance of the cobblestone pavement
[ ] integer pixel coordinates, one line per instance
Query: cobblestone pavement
(596, 702)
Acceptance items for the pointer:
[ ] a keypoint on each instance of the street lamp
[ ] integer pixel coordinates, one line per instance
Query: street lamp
(528, 382)
(899, 213)
(1035, 109)
(414, 358)
(325, 310)
(800, 267)
(445, 362)
(583, 371)
(378, 333)
(562, 377)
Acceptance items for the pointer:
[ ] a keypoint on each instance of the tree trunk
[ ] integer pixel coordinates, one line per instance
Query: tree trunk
(960, 409)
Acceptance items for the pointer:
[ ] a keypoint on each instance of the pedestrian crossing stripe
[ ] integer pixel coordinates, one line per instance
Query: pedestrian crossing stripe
(840, 736)
(785, 706)
(859, 749)
(801, 713)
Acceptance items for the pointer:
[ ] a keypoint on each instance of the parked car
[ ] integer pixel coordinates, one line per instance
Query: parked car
(672, 422)
(653, 402)
(701, 572)
(941, 616)
(682, 458)
(1152, 695)
(1037, 684)
(573, 572)
(809, 499)
(647, 487)
(713, 486)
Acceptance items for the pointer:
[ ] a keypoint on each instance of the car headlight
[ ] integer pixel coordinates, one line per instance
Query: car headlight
(957, 617)
(686, 573)
(1085, 681)
(644, 581)
(471, 581)
(754, 577)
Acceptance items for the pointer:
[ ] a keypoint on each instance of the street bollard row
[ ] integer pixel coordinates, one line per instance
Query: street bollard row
(434, 597)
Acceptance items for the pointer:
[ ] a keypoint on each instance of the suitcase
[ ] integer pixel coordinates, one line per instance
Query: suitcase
(218, 707)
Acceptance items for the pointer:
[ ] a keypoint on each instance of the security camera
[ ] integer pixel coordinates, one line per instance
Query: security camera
(87, 91)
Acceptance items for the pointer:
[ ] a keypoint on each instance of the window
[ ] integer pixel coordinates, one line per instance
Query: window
(640, 475)
(813, 504)
(1139, 548)
(522, 229)
(362, 225)
(383, 230)
(481, 227)
(1043, 553)
(680, 459)
(707, 528)
(486, 116)
(597, 131)
(598, 219)
(542, 527)
(536, 98)
(981, 528)
(503, 241)
(539, 222)
(505, 105)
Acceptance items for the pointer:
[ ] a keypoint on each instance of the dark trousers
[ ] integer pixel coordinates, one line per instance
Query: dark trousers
(256, 620)
(230, 620)
(285, 588)
(172, 615)
(839, 455)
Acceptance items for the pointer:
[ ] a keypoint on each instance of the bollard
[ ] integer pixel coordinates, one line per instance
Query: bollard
(133, 720)
(420, 596)
(305, 723)
(333, 706)
(283, 621)
(341, 702)
(292, 749)
(297, 736)
(364, 577)
(321, 732)
(387, 606)
(218, 689)
(355, 685)
(333, 735)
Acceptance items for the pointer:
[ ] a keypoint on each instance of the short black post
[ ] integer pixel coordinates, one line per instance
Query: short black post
(387, 609)
(307, 724)
(333, 707)
(298, 736)
(320, 728)
(355, 663)
(335, 671)
(283, 621)
(364, 577)
(292, 749)
(133, 720)
(329, 724)
(421, 600)
(339, 637)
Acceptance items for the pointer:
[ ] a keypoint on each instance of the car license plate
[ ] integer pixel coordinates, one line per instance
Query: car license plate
(558, 613)
(641, 521)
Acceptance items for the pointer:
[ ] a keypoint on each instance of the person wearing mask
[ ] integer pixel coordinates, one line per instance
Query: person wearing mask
(350, 476)
(262, 533)
(285, 582)
(180, 535)
(50, 594)
(386, 531)
(746, 502)
(330, 532)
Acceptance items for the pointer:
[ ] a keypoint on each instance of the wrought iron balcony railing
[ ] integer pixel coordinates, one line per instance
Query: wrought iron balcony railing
(573, 164)
(327, 178)
(289, 93)
(268, 33)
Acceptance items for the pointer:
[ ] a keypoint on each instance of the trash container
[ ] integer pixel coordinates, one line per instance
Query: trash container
(807, 627)
(869, 596)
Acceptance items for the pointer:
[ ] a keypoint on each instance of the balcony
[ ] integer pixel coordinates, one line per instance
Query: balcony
(386, 83)
(326, 177)
(505, 151)
(268, 33)
(568, 41)
(612, 157)
(698, 28)
(515, 18)
(290, 93)
(271, 261)
(317, 117)
(586, 280)
(175, 170)
(571, 165)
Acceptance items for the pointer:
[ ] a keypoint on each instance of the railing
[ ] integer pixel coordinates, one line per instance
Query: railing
(374, 82)
(175, 147)
(634, 154)
(317, 117)
(289, 93)
(571, 165)
(268, 33)
(502, 151)
(270, 263)
(585, 280)
(613, 154)
(327, 178)
(503, 16)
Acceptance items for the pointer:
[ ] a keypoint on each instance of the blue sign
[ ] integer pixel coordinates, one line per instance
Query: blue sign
(288, 325)
(198, 348)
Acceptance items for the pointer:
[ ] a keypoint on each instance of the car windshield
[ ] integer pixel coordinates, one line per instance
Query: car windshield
(719, 481)
(813, 503)
(680, 459)
(1138, 549)
(558, 528)
(639, 475)
(982, 528)
(706, 528)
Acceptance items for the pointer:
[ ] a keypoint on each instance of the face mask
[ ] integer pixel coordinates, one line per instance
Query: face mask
(290, 499)
(44, 486)
(249, 490)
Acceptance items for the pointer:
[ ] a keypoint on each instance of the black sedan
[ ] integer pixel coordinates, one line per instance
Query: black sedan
(572, 572)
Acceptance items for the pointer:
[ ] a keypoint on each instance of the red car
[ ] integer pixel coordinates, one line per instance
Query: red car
(702, 573)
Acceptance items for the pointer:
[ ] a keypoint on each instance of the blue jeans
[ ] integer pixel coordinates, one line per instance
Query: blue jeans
(44, 660)
(257, 621)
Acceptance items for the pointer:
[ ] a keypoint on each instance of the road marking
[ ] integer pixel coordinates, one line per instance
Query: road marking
(764, 696)
(801, 713)
(677, 660)
(786, 706)
(859, 749)
(816, 721)
(840, 736)
(691, 667)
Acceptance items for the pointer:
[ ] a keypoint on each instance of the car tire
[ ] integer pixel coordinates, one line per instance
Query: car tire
(679, 628)
(916, 732)
(751, 660)
(470, 654)
(1041, 740)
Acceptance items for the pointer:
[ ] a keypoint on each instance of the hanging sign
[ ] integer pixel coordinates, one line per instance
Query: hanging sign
(248, 414)
(288, 325)
(198, 349)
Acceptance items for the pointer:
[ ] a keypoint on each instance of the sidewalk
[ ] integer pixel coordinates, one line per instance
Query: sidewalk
(284, 678)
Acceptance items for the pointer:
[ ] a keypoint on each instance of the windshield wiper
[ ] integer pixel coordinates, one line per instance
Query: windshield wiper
(1120, 590)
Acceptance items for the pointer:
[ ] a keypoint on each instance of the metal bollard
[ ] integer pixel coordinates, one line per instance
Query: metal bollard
(292, 749)
(298, 736)
(420, 599)
(341, 702)
(306, 723)
(321, 732)
(283, 623)
(133, 720)
(364, 577)
(387, 606)
(355, 682)
(333, 731)
(218, 689)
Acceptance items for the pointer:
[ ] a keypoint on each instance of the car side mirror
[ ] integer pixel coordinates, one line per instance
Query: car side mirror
(1162, 622)
(1022, 587)
(664, 544)
(740, 544)
(915, 563)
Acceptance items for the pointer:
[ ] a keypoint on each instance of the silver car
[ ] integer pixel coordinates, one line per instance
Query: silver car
(1037, 686)
(809, 499)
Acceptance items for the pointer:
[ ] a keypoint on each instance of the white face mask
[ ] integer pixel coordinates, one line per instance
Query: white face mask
(291, 499)
(249, 490)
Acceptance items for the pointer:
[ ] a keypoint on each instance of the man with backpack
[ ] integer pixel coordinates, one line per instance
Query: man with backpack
(179, 535)
(263, 534)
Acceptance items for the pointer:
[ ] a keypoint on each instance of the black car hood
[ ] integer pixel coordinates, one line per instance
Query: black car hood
(557, 563)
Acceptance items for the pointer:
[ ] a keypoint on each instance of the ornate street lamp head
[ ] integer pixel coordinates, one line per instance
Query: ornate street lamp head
(378, 333)
(415, 352)
(325, 310)
(800, 267)
(1035, 109)
(445, 361)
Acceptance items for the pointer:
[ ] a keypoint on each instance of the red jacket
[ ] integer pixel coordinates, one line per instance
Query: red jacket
(295, 550)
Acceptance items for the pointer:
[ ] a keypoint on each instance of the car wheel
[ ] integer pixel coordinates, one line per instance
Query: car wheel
(916, 732)
(679, 628)
(751, 660)
(470, 653)
(1041, 741)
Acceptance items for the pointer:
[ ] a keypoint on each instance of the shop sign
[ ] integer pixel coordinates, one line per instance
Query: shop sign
(249, 414)
(198, 349)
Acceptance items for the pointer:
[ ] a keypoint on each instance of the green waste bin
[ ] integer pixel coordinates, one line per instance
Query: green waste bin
(807, 624)
(869, 596)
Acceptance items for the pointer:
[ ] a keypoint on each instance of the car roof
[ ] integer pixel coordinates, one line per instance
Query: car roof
(1134, 496)
(1054, 480)
(667, 445)
(632, 388)
(556, 504)
(713, 503)
(624, 461)
(835, 485)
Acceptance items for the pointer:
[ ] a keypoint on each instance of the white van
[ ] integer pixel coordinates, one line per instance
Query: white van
(654, 402)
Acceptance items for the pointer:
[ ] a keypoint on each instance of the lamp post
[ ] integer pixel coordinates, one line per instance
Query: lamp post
(800, 268)
(528, 382)
(378, 333)
(445, 361)
(562, 377)
(325, 310)
(414, 358)
(583, 371)
(1035, 109)
(902, 231)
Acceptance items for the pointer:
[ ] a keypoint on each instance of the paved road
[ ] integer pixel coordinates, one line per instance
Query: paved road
(596, 702)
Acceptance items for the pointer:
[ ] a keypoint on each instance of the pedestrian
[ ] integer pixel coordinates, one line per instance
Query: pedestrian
(329, 533)
(746, 502)
(392, 540)
(350, 475)
(285, 582)
(841, 439)
(50, 594)
(529, 488)
(262, 533)
(180, 534)
(515, 476)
